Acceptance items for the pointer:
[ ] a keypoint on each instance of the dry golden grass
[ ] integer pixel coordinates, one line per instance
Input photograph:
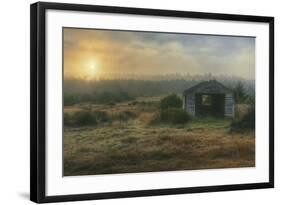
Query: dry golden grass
(71, 109)
(241, 110)
(136, 145)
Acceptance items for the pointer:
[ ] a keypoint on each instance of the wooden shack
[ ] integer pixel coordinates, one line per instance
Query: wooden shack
(209, 98)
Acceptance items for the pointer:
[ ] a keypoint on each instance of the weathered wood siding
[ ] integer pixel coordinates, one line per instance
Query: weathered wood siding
(190, 104)
(229, 105)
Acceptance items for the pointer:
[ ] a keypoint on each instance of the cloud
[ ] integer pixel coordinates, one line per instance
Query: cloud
(146, 53)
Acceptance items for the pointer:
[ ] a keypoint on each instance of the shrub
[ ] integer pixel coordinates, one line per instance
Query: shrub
(150, 118)
(171, 101)
(240, 95)
(70, 100)
(100, 116)
(111, 104)
(86, 118)
(124, 115)
(67, 119)
(133, 103)
(246, 123)
(174, 116)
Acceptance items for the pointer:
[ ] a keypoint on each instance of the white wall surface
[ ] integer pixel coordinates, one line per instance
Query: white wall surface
(14, 101)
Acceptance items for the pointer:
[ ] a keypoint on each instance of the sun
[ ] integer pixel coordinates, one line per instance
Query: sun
(92, 68)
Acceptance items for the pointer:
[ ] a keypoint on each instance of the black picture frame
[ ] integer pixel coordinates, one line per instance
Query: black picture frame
(38, 101)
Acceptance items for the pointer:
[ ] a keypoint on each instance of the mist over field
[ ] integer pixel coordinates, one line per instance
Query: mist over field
(150, 85)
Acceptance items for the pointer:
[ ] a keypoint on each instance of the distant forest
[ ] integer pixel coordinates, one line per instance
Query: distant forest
(118, 90)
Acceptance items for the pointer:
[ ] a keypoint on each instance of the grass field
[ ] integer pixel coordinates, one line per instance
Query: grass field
(134, 144)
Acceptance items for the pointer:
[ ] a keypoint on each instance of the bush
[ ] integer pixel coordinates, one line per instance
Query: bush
(105, 97)
(100, 116)
(67, 119)
(111, 104)
(124, 115)
(246, 123)
(133, 103)
(240, 95)
(171, 101)
(86, 118)
(174, 116)
(71, 100)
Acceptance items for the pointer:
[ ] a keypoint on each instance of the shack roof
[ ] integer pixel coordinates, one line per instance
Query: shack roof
(211, 87)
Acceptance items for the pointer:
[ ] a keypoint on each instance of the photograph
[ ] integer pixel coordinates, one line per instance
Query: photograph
(142, 101)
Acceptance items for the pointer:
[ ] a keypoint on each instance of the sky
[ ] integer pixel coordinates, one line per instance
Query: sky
(94, 54)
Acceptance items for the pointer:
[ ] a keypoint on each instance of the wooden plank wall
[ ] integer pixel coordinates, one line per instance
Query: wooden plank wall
(190, 104)
(229, 105)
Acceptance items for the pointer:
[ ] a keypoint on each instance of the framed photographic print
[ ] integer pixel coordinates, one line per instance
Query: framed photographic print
(129, 102)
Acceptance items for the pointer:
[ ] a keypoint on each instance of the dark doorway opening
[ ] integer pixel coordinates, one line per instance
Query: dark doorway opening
(209, 104)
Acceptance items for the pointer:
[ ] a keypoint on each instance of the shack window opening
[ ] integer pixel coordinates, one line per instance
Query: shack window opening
(206, 100)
